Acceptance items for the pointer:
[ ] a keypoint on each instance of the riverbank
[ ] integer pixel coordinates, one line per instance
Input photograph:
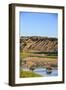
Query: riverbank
(34, 60)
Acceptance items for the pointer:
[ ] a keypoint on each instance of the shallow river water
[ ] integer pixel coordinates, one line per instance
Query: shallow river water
(43, 72)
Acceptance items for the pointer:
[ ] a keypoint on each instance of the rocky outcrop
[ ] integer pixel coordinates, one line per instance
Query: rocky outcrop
(43, 44)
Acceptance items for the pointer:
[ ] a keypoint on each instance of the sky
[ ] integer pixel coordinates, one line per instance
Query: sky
(38, 24)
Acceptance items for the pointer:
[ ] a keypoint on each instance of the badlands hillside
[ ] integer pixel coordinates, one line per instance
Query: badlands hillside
(37, 43)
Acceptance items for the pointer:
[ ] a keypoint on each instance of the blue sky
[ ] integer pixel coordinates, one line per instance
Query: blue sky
(38, 24)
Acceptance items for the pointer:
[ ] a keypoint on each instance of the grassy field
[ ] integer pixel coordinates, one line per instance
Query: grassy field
(28, 74)
(37, 54)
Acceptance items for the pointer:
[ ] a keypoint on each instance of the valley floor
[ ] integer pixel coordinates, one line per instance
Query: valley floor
(33, 60)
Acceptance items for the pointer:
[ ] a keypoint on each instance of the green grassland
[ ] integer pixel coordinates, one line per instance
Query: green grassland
(38, 54)
(28, 74)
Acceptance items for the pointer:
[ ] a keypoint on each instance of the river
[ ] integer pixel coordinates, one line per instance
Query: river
(43, 72)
